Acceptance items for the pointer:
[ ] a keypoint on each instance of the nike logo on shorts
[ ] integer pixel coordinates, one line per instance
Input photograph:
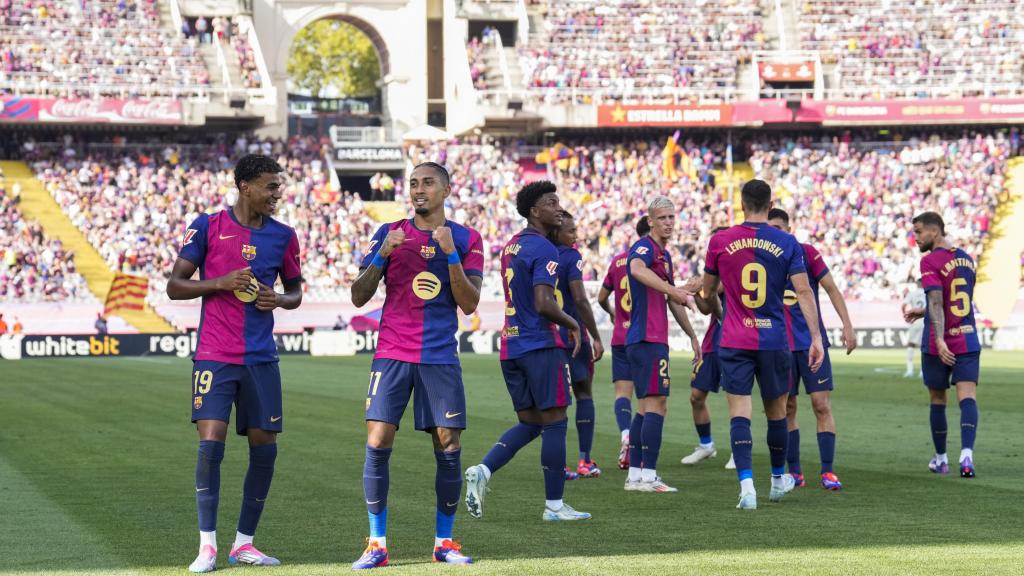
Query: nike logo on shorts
(822, 381)
(450, 415)
(274, 419)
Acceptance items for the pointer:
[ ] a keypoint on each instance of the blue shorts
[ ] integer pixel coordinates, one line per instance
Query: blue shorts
(938, 376)
(649, 368)
(707, 375)
(439, 398)
(539, 379)
(770, 367)
(254, 389)
(820, 381)
(620, 364)
(582, 365)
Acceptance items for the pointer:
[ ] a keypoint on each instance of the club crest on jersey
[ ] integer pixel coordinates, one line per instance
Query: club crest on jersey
(189, 235)
(248, 252)
(552, 267)
(428, 252)
(198, 402)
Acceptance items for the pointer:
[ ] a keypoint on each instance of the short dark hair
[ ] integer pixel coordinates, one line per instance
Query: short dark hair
(438, 168)
(643, 226)
(529, 194)
(778, 214)
(930, 219)
(252, 166)
(756, 195)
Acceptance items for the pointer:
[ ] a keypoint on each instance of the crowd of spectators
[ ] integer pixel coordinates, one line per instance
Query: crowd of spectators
(642, 49)
(906, 48)
(33, 267)
(111, 48)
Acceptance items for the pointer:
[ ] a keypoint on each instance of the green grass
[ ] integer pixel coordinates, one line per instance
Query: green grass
(97, 460)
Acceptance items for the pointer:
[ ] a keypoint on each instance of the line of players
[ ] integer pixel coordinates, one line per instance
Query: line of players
(757, 271)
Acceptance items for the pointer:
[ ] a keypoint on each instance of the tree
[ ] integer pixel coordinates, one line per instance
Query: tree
(332, 54)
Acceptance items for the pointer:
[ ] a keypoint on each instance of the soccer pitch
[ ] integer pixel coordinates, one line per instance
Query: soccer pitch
(97, 464)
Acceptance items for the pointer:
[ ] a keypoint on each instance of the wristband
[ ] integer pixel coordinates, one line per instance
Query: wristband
(378, 260)
(453, 259)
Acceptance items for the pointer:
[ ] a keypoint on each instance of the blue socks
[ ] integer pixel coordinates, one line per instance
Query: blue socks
(511, 442)
(636, 453)
(623, 413)
(742, 446)
(939, 428)
(552, 459)
(448, 486)
(651, 437)
(375, 489)
(793, 451)
(968, 422)
(704, 433)
(585, 415)
(256, 486)
(777, 439)
(211, 454)
(827, 450)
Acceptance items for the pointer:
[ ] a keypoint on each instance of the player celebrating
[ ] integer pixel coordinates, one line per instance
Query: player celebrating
(706, 378)
(914, 303)
(616, 283)
(417, 352)
(653, 291)
(533, 359)
(818, 385)
(240, 253)
(950, 348)
(753, 261)
(572, 297)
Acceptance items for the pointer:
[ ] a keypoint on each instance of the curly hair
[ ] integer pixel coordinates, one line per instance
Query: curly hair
(529, 194)
(252, 166)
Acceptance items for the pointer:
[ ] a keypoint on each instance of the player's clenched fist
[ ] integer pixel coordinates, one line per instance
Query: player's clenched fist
(235, 280)
(267, 298)
(443, 237)
(393, 240)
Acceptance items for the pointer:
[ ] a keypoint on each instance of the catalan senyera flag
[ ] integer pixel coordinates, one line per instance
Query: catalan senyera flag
(127, 292)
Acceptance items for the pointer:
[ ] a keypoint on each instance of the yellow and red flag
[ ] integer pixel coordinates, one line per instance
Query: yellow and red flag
(127, 292)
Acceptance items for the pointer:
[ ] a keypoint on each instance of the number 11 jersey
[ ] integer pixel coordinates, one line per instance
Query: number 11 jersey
(754, 261)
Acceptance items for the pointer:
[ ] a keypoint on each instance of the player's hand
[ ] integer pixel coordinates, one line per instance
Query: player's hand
(598, 349)
(443, 237)
(816, 355)
(235, 280)
(849, 339)
(698, 354)
(948, 358)
(693, 285)
(691, 303)
(266, 300)
(393, 240)
(574, 338)
(913, 314)
(678, 295)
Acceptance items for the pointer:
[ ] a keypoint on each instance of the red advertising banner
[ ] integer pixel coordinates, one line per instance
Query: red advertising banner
(786, 72)
(619, 115)
(953, 111)
(80, 110)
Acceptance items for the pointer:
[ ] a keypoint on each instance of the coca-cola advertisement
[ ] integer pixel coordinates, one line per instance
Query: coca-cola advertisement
(100, 111)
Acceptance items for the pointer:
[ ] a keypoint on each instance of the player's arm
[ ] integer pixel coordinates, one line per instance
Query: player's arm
(679, 312)
(839, 303)
(579, 296)
(937, 315)
(181, 286)
(711, 284)
(369, 277)
(602, 300)
(548, 308)
(465, 289)
(639, 270)
(804, 297)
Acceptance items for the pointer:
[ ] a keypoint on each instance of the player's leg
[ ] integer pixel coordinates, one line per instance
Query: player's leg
(260, 418)
(583, 378)
(773, 376)
(738, 382)
(388, 393)
(214, 386)
(793, 444)
(642, 364)
(549, 377)
(705, 379)
(623, 382)
(821, 402)
(911, 350)
(936, 379)
(448, 487)
(965, 374)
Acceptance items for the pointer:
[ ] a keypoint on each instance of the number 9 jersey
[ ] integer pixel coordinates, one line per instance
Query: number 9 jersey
(754, 262)
(952, 272)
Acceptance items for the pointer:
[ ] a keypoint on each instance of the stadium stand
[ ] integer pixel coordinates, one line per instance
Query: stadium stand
(92, 49)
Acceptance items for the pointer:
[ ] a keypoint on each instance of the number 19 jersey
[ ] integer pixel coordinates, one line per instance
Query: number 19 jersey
(754, 262)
